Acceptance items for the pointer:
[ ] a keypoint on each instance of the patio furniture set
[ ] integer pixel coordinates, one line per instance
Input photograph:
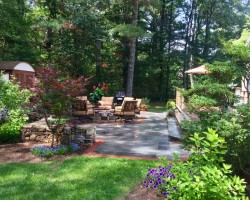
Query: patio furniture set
(106, 109)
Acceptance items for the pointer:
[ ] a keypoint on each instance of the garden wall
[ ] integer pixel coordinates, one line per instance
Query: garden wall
(39, 132)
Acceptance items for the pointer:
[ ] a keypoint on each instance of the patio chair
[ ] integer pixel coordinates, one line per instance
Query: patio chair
(125, 99)
(138, 106)
(106, 103)
(81, 110)
(126, 111)
(85, 98)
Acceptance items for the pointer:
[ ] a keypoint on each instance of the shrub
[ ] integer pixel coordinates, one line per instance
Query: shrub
(204, 176)
(233, 127)
(170, 107)
(10, 132)
(55, 94)
(145, 102)
(16, 101)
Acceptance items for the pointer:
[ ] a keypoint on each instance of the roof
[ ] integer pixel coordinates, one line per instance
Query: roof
(198, 70)
(16, 65)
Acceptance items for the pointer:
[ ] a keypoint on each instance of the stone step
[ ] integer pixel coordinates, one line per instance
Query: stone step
(174, 128)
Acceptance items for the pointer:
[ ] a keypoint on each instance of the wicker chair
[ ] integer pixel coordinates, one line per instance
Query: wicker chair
(106, 103)
(138, 106)
(81, 110)
(126, 111)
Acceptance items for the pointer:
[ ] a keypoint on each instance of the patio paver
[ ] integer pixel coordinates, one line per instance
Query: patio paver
(149, 138)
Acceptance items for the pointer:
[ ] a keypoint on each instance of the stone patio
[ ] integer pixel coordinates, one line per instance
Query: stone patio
(147, 138)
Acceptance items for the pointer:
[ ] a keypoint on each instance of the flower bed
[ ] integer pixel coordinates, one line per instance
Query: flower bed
(47, 152)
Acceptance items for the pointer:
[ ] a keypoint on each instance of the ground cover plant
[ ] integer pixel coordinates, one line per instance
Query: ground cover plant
(74, 178)
(47, 152)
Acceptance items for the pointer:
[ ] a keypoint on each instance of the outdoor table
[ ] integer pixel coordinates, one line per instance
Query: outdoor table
(104, 114)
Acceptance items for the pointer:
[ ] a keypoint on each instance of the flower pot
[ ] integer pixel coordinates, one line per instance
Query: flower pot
(143, 108)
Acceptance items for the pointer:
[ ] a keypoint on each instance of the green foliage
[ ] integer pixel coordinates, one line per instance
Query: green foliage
(58, 121)
(208, 149)
(55, 94)
(16, 33)
(208, 94)
(98, 93)
(145, 102)
(129, 30)
(47, 152)
(10, 132)
(170, 105)
(73, 178)
(92, 38)
(223, 72)
(202, 177)
(234, 127)
(16, 101)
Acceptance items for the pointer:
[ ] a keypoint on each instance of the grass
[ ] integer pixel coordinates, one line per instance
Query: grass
(75, 178)
(157, 107)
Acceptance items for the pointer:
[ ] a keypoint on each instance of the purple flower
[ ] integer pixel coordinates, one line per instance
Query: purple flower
(175, 188)
(172, 176)
(165, 194)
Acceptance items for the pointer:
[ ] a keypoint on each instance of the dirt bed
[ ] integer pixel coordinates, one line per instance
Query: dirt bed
(20, 152)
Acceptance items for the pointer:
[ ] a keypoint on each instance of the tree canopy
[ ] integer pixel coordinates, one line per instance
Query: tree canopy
(142, 47)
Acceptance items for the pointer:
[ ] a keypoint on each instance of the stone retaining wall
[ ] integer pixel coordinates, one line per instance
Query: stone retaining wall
(36, 133)
(39, 132)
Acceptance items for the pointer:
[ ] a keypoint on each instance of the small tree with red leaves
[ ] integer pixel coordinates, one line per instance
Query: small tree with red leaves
(55, 94)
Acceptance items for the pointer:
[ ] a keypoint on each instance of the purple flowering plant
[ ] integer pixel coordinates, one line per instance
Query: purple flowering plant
(204, 176)
(163, 179)
(47, 152)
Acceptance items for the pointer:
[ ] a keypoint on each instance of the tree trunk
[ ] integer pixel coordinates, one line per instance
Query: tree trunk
(161, 56)
(125, 52)
(207, 30)
(131, 66)
(98, 61)
(169, 50)
(187, 43)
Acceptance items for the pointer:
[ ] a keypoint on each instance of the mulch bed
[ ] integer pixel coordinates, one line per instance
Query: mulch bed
(20, 152)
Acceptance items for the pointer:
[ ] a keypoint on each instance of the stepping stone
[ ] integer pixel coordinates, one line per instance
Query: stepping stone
(163, 145)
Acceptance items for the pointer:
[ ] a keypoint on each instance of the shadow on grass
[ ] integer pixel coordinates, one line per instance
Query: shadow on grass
(74, 178)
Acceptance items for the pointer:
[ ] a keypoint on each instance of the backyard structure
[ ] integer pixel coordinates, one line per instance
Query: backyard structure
(198, 70)
(181, 113)
(21, 71)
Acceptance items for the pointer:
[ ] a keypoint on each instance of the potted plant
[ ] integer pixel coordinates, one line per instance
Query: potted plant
(98, 93)
(170, 108)
(145, 104)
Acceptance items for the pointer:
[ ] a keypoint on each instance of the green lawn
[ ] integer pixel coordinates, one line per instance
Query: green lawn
(157, 107)
(74, 178)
